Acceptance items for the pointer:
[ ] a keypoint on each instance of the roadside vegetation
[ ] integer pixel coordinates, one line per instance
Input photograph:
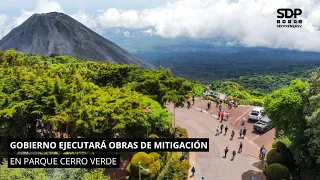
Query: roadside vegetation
(60, 96)
(295, 112)
(237, 92)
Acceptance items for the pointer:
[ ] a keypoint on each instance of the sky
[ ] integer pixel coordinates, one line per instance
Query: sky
(250, 23)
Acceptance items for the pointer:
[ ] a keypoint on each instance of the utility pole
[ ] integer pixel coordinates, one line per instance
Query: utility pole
(139, 172)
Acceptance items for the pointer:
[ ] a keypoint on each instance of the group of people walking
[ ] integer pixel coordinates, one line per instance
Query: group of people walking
(220, 129)
(242, 133)
(223, 116)
(189, 103)
(226, 150)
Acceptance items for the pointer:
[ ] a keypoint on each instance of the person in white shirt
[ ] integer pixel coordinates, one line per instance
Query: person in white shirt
(217, 131)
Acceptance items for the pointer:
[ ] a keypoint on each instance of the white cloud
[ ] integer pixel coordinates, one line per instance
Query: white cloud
(45, 6)
(20, 19)
(85, 19)
(149, 32)
(250, 22)
(3, 19)
(118, 18)
(3, 25)
(127, 34)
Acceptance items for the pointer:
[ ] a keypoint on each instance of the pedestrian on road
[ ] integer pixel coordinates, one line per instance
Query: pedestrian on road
(244, 132)
(189, 104)
(240, 133)
(221, 128)
(225, 152)
(222, 116)
(260, 154)
(219, 114)
(227, 116)
(217, 131)
(193, 100)
(232, 134)
(240, 147)
(264, 152)
(209, 104)
(225, 130)
(233, 155)
(220, 107)
(193, 170)
(243, 121)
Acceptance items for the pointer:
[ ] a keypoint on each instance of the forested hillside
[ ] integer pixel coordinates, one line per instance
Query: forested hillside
(295, 112)
(270, 83)
(62, 97)
(83, 98)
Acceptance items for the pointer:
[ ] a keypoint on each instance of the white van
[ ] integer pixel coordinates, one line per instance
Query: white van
(256, 114)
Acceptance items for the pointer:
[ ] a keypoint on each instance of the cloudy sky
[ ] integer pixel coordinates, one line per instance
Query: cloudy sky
(248, 22)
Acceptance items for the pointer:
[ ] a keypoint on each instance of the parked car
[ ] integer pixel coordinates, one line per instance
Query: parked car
(263, 125)
(256, 114)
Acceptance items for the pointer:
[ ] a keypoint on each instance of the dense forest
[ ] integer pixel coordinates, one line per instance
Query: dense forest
(295, 111)
(96, 99)
(84, 97)
(62, 96)
(262, 69)
(270, 83)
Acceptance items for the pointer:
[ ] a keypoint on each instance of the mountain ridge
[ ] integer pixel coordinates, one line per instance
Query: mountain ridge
(58, 33)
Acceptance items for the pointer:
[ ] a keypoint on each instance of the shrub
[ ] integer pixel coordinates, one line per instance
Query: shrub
(211, 98)
(177, 170)
(284, 140)
(277, 172)
(256, 102)
(185, 166)
(281, 148)
(150, 161)
(144, 159)
(274, 157)
(153, 136)
(155, 156)
(286, 159)
(155, 169)
(165, 156)
(181, 132)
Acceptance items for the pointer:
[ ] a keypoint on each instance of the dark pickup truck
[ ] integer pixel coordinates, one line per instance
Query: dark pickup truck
(263, 125)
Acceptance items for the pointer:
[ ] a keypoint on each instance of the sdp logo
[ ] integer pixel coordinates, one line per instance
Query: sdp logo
(285, 16)
(289, 13)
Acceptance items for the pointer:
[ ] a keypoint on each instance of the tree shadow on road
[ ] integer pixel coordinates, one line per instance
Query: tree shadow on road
(260, 165)
(251, 173)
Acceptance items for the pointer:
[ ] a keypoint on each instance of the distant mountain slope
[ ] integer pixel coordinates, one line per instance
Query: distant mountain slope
(57, 33)
(207, 63)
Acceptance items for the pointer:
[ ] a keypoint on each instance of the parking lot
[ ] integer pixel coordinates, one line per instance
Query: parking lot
(235, 114)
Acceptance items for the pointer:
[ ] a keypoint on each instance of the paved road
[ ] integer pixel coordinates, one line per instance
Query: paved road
(211, 165)
(259, 139)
